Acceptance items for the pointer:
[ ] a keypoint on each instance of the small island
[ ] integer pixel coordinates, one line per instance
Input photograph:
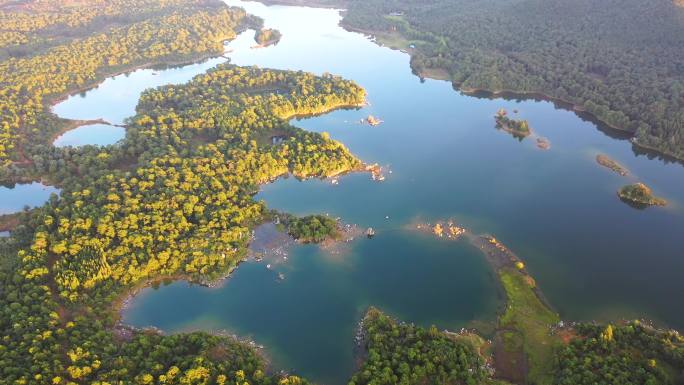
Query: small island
(313, 228)
(519, 128)
(605, 161)
(640, 195)
(267, 36)
(543, 143)
(373, 121)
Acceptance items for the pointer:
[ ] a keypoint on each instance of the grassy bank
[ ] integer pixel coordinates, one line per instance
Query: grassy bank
(527, 324)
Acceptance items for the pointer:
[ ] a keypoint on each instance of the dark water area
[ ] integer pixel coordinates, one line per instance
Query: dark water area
(593, 256)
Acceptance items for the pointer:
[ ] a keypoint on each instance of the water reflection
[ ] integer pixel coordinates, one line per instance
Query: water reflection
(16, 198)
(92, 134)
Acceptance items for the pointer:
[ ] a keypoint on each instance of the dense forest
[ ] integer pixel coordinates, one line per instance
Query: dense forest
(622, 61)
(266, 36)
(30, 26)
(313, 228)
(627, 354)
(399, 353)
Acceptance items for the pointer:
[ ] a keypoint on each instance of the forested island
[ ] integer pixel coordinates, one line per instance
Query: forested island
(641, 195)
(518, 128)
(615, 64)
(267, 36)
(313, 228)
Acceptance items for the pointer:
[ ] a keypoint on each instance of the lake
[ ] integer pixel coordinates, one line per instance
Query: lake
(593, 256)
(93, 134)
(115, 99)
(34, 194)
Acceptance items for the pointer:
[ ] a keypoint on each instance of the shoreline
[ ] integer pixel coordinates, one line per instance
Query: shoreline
(489, 249)
(9, 222)
(498, 255)
(72, 124)
(350, 106)
(526, 95)
(51, 102)
(121, 303)
(523, 315)
(301, 3)
(503, 93)
(348, 232)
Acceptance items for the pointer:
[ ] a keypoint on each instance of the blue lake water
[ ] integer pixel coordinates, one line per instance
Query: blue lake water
(91, 134)
(31, 194)
(592, 255)
(115, 99)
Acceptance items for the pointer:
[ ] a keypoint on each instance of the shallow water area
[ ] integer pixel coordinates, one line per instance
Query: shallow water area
(91, 134)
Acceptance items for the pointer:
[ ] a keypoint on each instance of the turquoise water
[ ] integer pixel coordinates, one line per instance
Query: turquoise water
(593, 256)
(94, 134)
(24, 195)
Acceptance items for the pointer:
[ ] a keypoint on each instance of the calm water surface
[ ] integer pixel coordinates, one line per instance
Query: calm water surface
(115, 99)
(95, 134)
(593, 256)
(14, 199)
